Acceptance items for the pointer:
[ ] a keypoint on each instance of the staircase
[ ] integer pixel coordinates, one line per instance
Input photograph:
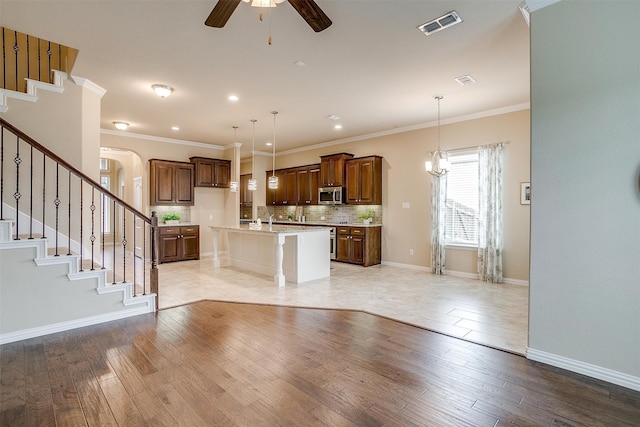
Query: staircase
(42, 294)
(72, 253)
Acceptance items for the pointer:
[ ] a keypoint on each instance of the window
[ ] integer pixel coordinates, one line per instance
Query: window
(461, 218)
(104, 164)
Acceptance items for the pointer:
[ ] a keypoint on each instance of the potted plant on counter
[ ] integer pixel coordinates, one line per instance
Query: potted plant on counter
(367, 217)
(171, 218)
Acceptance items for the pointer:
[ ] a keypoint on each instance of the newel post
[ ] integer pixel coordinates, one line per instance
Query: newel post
(153, 274)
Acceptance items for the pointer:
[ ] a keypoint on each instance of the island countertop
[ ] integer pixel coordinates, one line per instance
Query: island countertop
(301, 252)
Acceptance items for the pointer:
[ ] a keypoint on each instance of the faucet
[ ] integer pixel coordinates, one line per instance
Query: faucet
(271, 220)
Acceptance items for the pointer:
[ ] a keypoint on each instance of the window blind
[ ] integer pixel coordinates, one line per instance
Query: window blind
(461, 220)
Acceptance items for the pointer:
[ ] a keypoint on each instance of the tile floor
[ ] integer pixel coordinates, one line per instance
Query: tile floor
(491, 314)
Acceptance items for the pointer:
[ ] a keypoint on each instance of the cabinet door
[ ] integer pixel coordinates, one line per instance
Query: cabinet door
(246, 196)
(343, 249)
(352, 172)
(190, 242)
(304, 191)
(222, 174)
(162, 189)
(169, 248)
(357, 249)
(204, 173)
(184, 184)
(290, 187)
(366, 172)
(314, 184)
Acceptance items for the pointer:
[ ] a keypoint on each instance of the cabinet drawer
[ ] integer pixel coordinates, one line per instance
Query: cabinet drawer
(344, 230)
(169, 230)
(184, 230)
(357, 231)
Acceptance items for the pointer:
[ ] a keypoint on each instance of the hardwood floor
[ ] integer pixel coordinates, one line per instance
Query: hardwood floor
(219, 363)
(492, 314)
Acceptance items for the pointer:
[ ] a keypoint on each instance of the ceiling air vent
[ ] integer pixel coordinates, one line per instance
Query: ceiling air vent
(465, 80)
(447, 20)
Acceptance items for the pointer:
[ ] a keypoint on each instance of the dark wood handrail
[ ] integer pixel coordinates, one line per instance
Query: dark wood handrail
(70, 167)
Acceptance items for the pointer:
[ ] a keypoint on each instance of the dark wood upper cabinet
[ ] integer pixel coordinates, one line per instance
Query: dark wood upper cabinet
(308, 182)
(171, 183)
(364, 180)
(332, 169)
(212, 172)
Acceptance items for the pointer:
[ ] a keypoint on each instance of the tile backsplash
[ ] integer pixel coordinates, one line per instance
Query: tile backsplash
(326, 213)
(183, 211)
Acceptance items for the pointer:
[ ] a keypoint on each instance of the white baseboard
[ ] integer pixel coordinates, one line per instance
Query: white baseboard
(70, 324)
(454, 273)
(605, 374)
(407, 266)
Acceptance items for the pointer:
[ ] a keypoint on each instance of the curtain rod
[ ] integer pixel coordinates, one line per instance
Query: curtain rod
(477, 146)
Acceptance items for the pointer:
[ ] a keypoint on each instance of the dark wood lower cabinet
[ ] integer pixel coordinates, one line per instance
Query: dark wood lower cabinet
(359, 245)
(179, 243)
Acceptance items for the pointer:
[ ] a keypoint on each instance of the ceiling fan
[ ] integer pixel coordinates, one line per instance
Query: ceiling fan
(308, 9)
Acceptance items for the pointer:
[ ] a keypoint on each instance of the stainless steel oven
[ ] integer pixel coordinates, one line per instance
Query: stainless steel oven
(333, 243)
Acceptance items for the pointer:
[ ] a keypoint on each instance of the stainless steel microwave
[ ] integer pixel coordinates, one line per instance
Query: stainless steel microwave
(330, 196)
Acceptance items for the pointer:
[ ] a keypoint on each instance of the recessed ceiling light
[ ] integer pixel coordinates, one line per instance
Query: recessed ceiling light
(162, 90)
(337, 127)
(233, 98)
(269, 144)
(121, 125)
(299, 63)
(175, 128)
(333, 117)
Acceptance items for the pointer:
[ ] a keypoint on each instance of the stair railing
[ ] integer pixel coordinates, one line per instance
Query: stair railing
(100, 233)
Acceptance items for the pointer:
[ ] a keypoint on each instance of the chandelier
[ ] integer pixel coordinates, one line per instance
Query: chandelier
(439, 163)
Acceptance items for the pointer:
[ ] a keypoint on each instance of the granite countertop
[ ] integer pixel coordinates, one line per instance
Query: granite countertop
(181, 224)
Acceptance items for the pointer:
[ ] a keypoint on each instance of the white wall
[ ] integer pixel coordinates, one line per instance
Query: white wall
(585, 209)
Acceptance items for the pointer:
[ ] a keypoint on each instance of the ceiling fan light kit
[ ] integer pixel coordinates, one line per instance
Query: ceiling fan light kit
(263, 3)
(307, 9)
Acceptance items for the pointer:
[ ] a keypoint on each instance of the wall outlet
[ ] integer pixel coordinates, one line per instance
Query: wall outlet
(279, 216)
(210, 216)
(406, 205)
(322, 218)
(411, 252)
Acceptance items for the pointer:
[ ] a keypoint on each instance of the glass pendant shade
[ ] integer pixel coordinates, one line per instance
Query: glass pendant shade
(233, 186)
(273, 182)
(263, 3)
(253, 185)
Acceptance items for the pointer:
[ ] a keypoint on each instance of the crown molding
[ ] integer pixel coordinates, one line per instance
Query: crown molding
(539, 4)
(126, 134)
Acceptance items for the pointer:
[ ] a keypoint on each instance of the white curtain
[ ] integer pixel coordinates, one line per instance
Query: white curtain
(438, 211)
(490, 213)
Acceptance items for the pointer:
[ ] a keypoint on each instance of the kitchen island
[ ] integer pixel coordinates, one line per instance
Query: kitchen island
(291, 253)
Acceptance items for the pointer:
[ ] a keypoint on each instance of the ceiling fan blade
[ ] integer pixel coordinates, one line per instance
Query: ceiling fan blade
(221, 13)
(312, 13)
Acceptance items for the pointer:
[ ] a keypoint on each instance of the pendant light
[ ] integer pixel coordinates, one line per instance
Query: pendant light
(439, 163)
(233, 185)
(253, 184)
(273, 179)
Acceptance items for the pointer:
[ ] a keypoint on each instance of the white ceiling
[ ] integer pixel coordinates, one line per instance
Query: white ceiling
(372, 67)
